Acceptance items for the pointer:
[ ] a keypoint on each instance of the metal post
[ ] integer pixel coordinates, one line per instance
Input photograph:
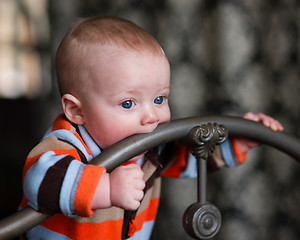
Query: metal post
(202, 180)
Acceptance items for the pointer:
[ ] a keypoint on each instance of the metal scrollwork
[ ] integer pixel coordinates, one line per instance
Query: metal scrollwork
(202, 220)
(203, 139)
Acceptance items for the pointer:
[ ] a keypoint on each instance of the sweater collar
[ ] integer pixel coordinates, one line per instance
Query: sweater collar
(89, 141)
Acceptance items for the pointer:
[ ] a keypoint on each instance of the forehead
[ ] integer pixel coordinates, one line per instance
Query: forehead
(109, 65)
(113, 52)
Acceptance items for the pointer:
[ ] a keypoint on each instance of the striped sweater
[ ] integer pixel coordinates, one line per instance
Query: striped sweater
(57, 179)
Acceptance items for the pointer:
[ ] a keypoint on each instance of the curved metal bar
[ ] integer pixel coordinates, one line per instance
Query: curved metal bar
(177, 129)
(21, 221)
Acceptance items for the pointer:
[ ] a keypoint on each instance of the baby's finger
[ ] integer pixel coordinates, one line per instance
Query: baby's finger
(140, 184)
(266, 121)
(270, 122)
(132, 166)
(262, 117)
(136, 171)
(276, 126)
(251, 116)
(139, 195)
(134, 205)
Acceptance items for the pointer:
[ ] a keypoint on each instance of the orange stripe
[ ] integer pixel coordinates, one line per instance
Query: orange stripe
(128, 163)
(93, 231)
(75, 230)
(86, 190)
(24, 202)
(179, 164)
(83, 143)
(61, 123)
(241, 157)
(71, 152)
(29, 163)
(148, 214)
(32, 160)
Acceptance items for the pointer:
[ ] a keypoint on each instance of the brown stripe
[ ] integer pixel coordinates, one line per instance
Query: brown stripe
(80, 153)
(49, 191)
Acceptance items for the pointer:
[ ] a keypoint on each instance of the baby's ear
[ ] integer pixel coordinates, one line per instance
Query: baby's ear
(72, 108)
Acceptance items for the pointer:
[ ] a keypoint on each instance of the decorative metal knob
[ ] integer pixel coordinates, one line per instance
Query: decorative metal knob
(202, 221)
(203, 139)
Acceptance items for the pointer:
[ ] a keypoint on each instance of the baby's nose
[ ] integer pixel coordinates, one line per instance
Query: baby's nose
(149, 116)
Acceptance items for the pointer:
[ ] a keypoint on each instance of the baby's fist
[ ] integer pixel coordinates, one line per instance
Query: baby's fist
(126, 187)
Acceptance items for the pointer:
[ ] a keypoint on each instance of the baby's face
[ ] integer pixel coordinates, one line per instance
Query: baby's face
(129, 96)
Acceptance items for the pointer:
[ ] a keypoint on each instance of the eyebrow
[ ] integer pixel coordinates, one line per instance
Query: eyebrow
(132, 92)
(126, 92)
(166, 88)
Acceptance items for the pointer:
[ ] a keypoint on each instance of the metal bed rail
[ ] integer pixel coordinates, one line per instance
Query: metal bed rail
(23, 220)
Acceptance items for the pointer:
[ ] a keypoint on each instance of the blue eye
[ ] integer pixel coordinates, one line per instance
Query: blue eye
(159, 100)
(127, 104)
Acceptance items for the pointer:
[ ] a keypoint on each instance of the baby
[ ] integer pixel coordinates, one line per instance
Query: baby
(114, 81)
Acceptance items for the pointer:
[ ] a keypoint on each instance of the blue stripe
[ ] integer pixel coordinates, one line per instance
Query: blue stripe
(36, 174)
(91, 144)
(191, 168)
(228, 154)
(145, 233)
(69, 187)
(69, 137)
(39, 233)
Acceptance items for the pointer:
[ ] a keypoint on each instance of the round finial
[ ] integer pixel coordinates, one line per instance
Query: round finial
(202, 221)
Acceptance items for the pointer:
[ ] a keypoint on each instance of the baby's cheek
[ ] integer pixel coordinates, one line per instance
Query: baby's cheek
(116, 135)
(166, 116)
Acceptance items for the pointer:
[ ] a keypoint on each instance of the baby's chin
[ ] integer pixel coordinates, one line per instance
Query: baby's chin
(134, 159)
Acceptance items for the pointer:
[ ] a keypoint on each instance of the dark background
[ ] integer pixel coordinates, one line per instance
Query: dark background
(227, 57)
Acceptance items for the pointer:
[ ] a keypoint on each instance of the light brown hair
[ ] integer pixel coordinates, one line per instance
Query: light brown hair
(88, 34)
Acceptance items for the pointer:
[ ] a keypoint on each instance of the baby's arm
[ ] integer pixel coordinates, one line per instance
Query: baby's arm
(245, 145)
(231, 153)
(122, 188)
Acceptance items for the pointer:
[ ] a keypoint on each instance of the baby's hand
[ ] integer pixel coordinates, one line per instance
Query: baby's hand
(265, 120)
(126, 187)
(244, 144)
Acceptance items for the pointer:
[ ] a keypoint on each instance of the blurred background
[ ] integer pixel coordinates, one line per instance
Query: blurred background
(228, 57)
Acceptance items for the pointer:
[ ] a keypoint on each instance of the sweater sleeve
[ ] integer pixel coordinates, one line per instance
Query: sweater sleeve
(55, 182)
(57, 178)
(184, 164)
(231, 153)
